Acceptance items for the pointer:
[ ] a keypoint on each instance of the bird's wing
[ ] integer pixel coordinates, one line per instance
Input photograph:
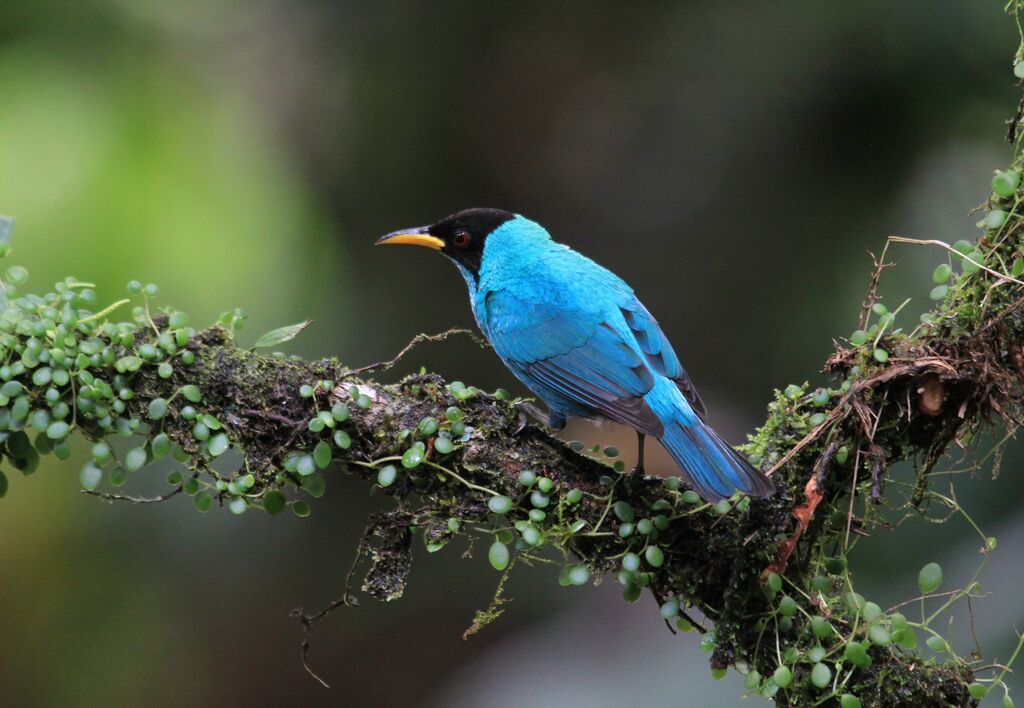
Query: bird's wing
(659, 352)
(576, 352)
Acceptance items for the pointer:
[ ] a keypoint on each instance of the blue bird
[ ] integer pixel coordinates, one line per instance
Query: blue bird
(579, 339)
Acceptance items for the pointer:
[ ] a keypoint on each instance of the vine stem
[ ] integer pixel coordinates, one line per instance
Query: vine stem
(943, 244)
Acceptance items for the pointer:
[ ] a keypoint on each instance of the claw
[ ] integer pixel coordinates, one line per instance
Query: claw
(530, 413)
(554, 420)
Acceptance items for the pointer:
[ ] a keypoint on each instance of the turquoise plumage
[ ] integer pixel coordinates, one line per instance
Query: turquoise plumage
(575, 334)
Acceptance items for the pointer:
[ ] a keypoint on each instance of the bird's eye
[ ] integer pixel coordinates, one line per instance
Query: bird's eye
(461, 239)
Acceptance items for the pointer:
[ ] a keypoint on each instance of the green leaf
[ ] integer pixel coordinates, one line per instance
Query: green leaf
(857, 655)
(314, 486)
(428, 426)
(118, 476)
(58, 430)
(210, 421)
(135, 460)
(787, 606)
(218, 444)
(281, 335)
(342, 439)
(497, 555)
(192, 393)
(90, 475)
(579, 575)
(499, 504)
(160, 446)
(306, 465)
(905, 637)
(203, 501)
(879, 635)
(655, 557)
(413, 456)
(274, 502)
(669, 608)
(821, 675)
(157, 408)
(783, 676)
(387, 475)
(930, 578)
(322, 454)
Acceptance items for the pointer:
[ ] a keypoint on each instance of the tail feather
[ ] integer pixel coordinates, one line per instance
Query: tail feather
(710, 465)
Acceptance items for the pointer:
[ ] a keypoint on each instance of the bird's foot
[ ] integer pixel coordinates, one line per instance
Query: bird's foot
(556, 421)
(529, 413)
(638, 472)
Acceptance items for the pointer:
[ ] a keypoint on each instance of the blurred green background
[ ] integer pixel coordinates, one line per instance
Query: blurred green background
(734, 162)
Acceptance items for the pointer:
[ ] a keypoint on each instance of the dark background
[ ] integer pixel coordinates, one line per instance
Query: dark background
(733, 162)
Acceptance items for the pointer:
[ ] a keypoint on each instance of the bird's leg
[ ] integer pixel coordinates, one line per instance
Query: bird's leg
(638, 471)
(556, 421)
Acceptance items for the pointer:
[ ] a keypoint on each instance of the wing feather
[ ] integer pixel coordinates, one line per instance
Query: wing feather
(659, 352)
(575, 354)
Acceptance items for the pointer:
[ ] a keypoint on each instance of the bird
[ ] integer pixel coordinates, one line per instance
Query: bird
(576, 335)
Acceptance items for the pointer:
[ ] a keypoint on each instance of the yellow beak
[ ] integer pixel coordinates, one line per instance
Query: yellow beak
(414, 237)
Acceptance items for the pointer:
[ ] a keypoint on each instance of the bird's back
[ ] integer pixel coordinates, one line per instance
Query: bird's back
(525, 261)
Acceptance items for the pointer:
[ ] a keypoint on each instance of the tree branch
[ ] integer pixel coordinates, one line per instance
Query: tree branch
(709, 557)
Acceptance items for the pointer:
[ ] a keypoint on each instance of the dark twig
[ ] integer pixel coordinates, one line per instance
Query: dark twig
(106, 496)
(346, 600)
(418, 339)
(878, 466)
(276, 417)
(871, 298)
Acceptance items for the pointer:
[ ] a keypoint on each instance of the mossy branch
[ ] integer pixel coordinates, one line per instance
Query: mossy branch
(454, 458)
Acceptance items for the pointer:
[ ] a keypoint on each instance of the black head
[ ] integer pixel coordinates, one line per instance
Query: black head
(460, 236)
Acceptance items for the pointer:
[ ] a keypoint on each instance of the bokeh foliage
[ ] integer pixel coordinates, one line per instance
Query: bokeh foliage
(354, 139)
